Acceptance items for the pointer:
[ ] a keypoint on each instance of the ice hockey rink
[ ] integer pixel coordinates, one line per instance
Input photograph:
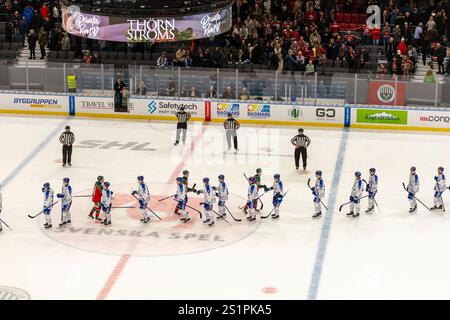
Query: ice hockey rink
(387, 255)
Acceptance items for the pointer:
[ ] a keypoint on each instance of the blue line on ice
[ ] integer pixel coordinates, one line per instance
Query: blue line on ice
(328, 217)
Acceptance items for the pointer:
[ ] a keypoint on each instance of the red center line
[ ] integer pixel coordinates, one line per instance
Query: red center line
(118, 269)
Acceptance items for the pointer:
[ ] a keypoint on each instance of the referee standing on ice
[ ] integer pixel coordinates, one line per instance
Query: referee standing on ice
(231, 125)
(301, 143)
(67, 139)
(183, 117)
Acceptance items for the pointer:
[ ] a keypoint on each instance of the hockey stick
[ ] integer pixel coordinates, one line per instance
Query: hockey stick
(253, 200)
(32, 217)
(238, 220)
(5, 224)
(374, 200)
(265, 217)
(406, 189)
(167, 198)
(309, 180)
(220, 216)
(147, 208)
(82, 196)
(262, 203)
(123, 207)
(201, 216)
(344, 204)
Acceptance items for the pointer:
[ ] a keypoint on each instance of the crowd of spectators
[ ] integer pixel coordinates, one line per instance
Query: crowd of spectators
(283, 35)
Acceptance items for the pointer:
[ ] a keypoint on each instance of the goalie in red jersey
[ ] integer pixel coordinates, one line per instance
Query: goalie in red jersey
(97, 198)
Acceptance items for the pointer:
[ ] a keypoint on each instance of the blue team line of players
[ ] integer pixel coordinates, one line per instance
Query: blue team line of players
(221, 192)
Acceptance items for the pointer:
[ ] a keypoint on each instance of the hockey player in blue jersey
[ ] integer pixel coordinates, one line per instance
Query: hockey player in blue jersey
(413, 188)
(210, 199)
(278, 193)
(66, 202)
(181, 198)
(355, 196)
(318, 192)
(144, 198)
(372, 188)
(48, 204)
(222, 193)
(252, 196)
(106, 203)
(439, 189)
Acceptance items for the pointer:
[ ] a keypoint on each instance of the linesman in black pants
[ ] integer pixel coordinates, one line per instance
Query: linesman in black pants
(301, 143)
(67, 139)
(183, 117)
(231, 125)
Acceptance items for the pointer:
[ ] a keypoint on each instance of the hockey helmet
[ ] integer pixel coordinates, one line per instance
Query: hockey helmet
(179, 180)
(372, 170)
(413, 169)
(441, 169)
(140, 178)
(251, 179)
(221, 177)
(106, 183)
(276, 176)
(357, 174)
(206, 180)
(319, 173)
(100, 178)
(259, 170)
(46, 185)
(185, 172)
(66, 180)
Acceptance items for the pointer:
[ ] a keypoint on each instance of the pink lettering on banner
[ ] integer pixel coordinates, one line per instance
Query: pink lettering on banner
(89, 25)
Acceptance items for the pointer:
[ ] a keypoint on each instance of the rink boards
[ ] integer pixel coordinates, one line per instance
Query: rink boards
(354, 116)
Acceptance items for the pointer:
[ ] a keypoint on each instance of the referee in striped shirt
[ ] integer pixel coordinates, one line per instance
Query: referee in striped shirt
(183, 117)
(301, 143)
(231, 125)
(67, 139)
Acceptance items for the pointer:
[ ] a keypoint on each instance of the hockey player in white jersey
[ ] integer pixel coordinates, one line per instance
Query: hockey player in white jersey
(48, 204)
(372, 188)
(278, 194)
(355, 196)
(439, 189)
(318, 192)
(106, 203)
(1, 207)
(181, 198)
(222, 193)
(413, 188)
(66, 202)
(210, 199)
(252, 196)
(144, 198)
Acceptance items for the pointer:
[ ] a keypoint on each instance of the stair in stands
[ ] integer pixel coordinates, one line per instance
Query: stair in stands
(23, 61)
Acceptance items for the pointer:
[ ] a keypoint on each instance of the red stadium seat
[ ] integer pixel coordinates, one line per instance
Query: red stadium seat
(344, 26)
(339, 17)
(347, 17)
(355, 18)
(353, 26)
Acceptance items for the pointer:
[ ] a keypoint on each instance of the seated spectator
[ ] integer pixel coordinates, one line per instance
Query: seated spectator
(141, 89)
(230, 58)
(228, 94)
(86, 58)
(162, 61)
(212, 92)
(194, 93)
(184, 92)
(180, 56)
(170, 91)
(310, 68)
(382, 71)
(96, 59)
(243, 95)
(429, 77)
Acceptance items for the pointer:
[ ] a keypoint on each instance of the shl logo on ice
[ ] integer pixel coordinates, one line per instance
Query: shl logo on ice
(152, 107)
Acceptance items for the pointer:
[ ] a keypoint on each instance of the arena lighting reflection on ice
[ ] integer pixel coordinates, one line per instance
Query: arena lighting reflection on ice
(153, 29)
